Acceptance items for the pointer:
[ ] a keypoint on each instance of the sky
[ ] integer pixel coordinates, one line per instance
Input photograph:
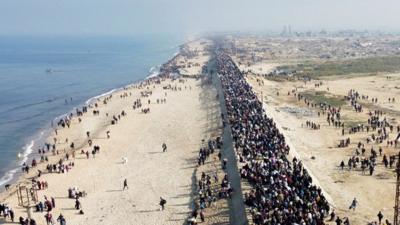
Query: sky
(134, 17)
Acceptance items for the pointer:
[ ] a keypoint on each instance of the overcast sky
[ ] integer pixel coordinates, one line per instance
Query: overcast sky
(130, 17)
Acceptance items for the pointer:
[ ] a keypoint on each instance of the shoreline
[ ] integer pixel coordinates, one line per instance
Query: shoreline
(98, 186)
(137, 135)
(13, 173)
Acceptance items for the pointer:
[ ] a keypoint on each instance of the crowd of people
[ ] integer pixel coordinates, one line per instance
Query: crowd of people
(377, 129)
(282, 190)
(66, 161)
(209, 190)
(377, 123)
(6, 212)
(380, 127)
(312, 125)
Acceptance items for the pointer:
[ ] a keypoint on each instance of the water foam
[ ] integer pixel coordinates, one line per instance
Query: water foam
(21, 159)
(8, 176)
(154, 71)
(90, 100)
(28, 148)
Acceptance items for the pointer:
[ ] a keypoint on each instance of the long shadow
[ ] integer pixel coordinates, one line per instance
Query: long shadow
(61, 198)
(183, 204)
(8, 222)
(147, 211)
(192, 193)
(68, 209)
(152, 153)
(237, 212)
(182, 196)
(116, 190)
(212, 124)
(188, 167)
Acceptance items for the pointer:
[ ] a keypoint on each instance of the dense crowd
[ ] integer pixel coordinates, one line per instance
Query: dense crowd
(282, 190)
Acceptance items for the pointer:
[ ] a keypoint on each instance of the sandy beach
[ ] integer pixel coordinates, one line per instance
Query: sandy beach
(156, 137)
(199, 113)
(182, 122)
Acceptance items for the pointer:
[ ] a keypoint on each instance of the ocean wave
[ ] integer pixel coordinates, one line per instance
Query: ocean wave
(29, 105)
(154, 71)
(28, 149)
(8, 176)
(22, 119)
(102, 95)
(21, 159)
(60, 116)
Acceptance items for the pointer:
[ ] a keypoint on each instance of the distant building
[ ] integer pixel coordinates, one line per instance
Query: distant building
(284, 31)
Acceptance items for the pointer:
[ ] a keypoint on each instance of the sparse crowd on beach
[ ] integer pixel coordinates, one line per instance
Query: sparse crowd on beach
(312, 125)
(66, 156)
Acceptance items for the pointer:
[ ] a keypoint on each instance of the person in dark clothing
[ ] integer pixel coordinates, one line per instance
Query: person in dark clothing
(125, 184)
(380, 217)
(61, 220)
(338, 221)
(162, 203)
(276, 181)
(11, 213)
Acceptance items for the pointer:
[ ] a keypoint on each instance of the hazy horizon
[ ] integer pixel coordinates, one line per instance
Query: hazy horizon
(124, 17)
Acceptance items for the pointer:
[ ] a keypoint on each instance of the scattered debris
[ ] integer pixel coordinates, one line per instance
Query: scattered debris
(299, 112)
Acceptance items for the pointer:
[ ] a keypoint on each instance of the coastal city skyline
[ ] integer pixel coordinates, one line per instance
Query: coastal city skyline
(127, 17)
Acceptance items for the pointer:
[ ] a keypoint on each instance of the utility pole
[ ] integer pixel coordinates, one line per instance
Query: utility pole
(262, 99)
(397, 198)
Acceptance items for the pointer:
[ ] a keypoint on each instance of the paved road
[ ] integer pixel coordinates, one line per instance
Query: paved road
(237, 213)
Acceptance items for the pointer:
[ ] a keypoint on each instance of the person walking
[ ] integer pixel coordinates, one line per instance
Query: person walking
(338, 221)
(380, 217)
(346, 221)
(11, 213)
(353, 204)
(62, 220)
(53, 202)
(77, 204)
(162, 203)
(125, 184)
(32, 222)
(49, 218)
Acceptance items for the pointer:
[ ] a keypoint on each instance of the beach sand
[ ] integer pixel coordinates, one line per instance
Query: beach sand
(193, 56)
(181, 123)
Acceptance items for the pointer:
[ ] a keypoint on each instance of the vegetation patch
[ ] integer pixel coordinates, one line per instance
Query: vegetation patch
(312, 69)
(351, 123)
(323, 97)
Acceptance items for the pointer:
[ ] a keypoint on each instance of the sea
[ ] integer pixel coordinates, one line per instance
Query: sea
(45, 78)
